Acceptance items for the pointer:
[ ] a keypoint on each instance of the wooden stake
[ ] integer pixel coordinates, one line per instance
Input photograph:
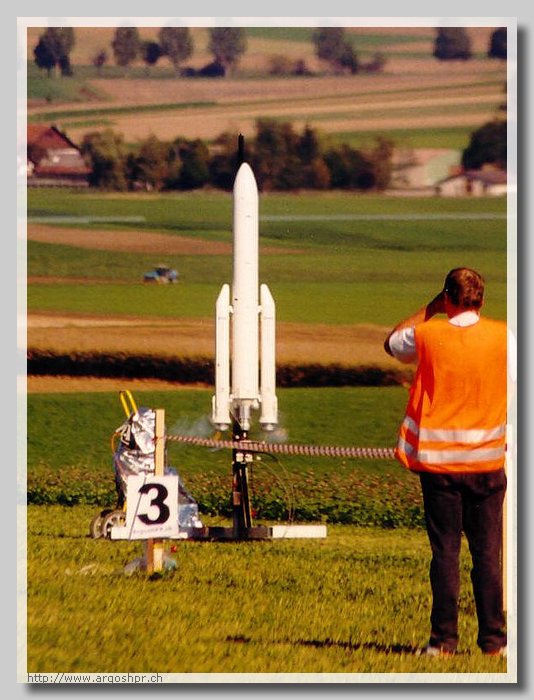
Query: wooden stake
(155, 547)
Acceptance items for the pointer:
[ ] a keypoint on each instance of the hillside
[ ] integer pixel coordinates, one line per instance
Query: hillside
(414, 93)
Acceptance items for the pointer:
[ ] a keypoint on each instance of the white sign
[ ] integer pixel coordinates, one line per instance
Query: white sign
(151, 508)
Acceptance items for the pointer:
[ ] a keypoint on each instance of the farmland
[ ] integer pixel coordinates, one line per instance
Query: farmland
(417, 99)
(343, 268)
(319, 256)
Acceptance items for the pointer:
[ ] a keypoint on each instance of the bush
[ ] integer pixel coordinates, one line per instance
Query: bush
(385, 501)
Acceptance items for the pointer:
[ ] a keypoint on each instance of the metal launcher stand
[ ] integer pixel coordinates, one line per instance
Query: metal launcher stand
(240, 496)
(242, 528)
(242, 459)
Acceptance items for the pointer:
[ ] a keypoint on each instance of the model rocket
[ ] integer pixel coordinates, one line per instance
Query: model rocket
(245, 374)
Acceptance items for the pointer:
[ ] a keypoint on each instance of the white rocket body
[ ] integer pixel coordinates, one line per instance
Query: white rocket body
(237, 333)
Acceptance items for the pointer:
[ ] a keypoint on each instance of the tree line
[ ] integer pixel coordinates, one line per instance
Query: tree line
(282, 159)
(333, 45)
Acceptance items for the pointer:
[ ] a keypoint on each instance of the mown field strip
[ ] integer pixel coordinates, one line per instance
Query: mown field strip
(477, 91)
(210, 126)
(405, 110)
(454, 216)
(291, 110)
(459, 216)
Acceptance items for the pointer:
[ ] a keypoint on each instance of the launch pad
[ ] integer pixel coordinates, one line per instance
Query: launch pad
(260, 532)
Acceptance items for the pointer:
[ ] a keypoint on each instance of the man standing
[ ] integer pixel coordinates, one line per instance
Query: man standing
(453, 436)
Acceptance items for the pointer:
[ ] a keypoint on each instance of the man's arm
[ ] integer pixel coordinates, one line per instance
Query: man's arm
(436, 306)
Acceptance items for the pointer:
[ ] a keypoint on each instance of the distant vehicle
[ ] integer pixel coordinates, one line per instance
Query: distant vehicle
(162, 274)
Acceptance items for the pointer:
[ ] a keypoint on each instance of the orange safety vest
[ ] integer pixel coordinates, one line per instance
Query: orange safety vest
(455, 420)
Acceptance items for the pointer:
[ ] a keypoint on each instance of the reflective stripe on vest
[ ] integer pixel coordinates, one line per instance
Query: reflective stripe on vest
(461, 456)
(469, 437)
(445, 443)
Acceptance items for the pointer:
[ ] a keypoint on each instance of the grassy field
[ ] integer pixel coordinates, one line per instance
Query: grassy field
(354, 603)
(360, 259)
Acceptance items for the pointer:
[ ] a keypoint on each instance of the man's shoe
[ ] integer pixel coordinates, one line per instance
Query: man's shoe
(430, 650)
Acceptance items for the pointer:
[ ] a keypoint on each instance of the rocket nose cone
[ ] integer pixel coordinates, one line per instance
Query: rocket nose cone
(245, 180)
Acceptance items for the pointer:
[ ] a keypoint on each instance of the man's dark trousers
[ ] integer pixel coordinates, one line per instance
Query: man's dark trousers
(472, 502)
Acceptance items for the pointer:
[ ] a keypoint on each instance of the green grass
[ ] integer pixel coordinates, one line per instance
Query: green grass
(204, 211)
(456, 138)
(69, 454)
(371, 112)
(74, 430)
(322, 302)
(305, 35)
(112, 111)
(372, 266)
(356, 602)
(55, 89)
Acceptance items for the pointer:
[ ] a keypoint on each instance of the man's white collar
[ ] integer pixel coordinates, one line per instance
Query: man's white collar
(466, 318)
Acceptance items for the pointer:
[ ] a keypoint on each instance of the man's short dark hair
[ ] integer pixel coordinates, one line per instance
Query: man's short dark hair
(465, 288)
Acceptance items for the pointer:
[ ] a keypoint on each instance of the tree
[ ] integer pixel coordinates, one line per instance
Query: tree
(452, 43)
(43, 56)
(126, 45)
(347, 58)
(309, 147)
(317, 175)
(332, 46)
(106, 154)
(349, 168)
(381, 158)
(498, 44)
(150, 52)
(224, 161)
(376, 64)
(487, 145)
(99, 59)
(194, 156)
(65, 66)
(227, 44)
(214, 69)
(54, 49)
(276, 159)
(154, 163)
(176, 43)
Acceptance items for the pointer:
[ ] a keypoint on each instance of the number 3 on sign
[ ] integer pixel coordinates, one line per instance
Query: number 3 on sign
(152, 507)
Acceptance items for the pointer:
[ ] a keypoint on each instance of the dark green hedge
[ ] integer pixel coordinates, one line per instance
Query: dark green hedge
(201, 370)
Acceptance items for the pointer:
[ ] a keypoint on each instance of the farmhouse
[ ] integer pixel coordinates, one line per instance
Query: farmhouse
(418, 170)
(53, 159)
(475, 183)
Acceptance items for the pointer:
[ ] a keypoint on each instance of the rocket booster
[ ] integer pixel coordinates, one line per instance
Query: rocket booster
(245, 328)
